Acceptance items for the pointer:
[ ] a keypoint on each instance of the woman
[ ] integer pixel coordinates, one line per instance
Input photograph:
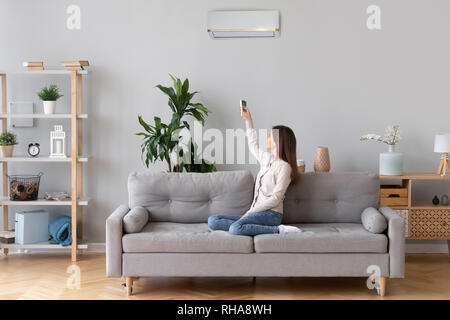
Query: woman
(278, 170)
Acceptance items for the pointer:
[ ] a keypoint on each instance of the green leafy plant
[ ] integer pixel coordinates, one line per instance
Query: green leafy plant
(50, 93)
(193, 166)
(160, 139)
(8, 138)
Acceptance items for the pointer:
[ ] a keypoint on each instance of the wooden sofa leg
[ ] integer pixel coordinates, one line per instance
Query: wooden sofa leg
(129, 284)
(382, 286)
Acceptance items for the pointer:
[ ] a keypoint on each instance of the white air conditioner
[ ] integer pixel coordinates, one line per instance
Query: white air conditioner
(243, 24)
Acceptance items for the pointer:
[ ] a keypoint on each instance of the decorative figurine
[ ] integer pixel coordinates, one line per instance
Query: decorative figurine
(444, 200)
(435, 200)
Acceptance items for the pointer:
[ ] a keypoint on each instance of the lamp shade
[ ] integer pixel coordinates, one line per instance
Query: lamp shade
(442, 143)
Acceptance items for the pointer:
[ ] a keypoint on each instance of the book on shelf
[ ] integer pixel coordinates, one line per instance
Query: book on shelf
(35, 68)
(75, 65)
(33, 64)
(74, 68)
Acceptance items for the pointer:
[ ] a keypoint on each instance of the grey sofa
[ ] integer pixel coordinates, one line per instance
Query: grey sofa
(176, 240)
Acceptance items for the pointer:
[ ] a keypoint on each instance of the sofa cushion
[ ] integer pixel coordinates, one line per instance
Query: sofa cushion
(135, 220)
(328, 197)
(373, 221)
(190, 197)
(180, 237)
(326, 237)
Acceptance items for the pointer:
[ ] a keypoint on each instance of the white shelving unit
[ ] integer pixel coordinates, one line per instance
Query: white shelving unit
(41, 159)
(40, 245)
(5, 201)
(77, 201)
(41, 116)
(45, 72)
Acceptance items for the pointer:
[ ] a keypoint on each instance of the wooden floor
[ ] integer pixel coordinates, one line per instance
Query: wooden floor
(43, 276)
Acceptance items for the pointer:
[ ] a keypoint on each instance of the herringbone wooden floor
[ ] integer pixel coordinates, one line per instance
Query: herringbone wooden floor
(44, 276)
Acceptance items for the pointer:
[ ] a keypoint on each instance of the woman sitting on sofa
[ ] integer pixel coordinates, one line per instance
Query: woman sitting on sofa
(278, 170)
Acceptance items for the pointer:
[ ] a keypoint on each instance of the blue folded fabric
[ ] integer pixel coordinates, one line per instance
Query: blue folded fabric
(60, 230)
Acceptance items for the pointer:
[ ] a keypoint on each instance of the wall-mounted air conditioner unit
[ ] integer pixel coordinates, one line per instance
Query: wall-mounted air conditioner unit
(244, 24)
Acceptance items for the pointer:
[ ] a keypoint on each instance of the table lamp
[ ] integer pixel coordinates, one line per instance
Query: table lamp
(442, 145)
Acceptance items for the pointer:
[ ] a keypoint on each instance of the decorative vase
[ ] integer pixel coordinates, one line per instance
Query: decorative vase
(435, 200)
(444, 200)
(301, 167)
(49, 107)
(322, 160)
(391, 162)
(7, 151)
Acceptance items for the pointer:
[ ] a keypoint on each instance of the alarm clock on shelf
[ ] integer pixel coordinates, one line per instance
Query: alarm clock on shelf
(33, 149)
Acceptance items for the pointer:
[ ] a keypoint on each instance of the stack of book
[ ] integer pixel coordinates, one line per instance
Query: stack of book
(37, 65)
(75, 65)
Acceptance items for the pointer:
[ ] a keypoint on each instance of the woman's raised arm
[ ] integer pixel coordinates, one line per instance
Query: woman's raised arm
(261, 155)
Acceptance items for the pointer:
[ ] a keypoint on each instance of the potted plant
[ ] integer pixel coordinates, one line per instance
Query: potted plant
(391, 162)
(7, 142)
(159, 142)
(49, 95)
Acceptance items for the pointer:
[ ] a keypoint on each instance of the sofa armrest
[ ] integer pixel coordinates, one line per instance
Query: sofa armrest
(396, 236)
(114, 232)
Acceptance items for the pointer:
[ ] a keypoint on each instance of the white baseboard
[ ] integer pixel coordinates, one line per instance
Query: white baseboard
(93, 247)
(97, 247)
(426, 246)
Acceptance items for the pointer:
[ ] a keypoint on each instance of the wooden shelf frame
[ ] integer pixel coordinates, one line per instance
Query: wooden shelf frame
(417, 176)
(76, 160)
(418, 205)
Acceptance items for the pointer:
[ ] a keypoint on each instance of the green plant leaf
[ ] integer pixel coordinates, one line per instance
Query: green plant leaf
(200, 107)
(197, 115)
(185, 87)
(146, 126)
(168, 91)
(186, 124)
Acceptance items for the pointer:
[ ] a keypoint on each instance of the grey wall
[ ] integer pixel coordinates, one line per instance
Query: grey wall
(327, 77)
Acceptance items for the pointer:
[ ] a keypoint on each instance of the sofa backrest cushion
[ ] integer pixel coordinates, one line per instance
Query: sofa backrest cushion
(190, 197)
(331, 197)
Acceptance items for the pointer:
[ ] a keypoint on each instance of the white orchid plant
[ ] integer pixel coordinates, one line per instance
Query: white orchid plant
(391, 136)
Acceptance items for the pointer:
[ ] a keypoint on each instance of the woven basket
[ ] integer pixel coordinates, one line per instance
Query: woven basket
(24, 187)
(429, 223)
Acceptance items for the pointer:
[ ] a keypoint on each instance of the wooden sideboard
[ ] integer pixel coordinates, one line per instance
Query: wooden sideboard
(423, 219)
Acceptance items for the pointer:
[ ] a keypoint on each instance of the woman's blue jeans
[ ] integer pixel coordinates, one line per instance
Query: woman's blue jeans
(251, 225)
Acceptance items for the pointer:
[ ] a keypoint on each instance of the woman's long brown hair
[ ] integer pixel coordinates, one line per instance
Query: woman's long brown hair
(287, 148)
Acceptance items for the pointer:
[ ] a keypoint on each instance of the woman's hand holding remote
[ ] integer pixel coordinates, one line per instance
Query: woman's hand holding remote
(245, 113)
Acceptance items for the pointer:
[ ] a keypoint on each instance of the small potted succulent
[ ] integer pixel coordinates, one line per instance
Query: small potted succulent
(7, 142)
(49, 95)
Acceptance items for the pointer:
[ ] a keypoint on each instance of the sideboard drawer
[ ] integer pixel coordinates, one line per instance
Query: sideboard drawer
(394, 195)
(429, 223)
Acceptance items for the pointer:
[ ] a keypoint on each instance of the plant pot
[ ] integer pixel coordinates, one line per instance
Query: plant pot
(391, 162)
(322, 160)
(49, 107)
(7, 151)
